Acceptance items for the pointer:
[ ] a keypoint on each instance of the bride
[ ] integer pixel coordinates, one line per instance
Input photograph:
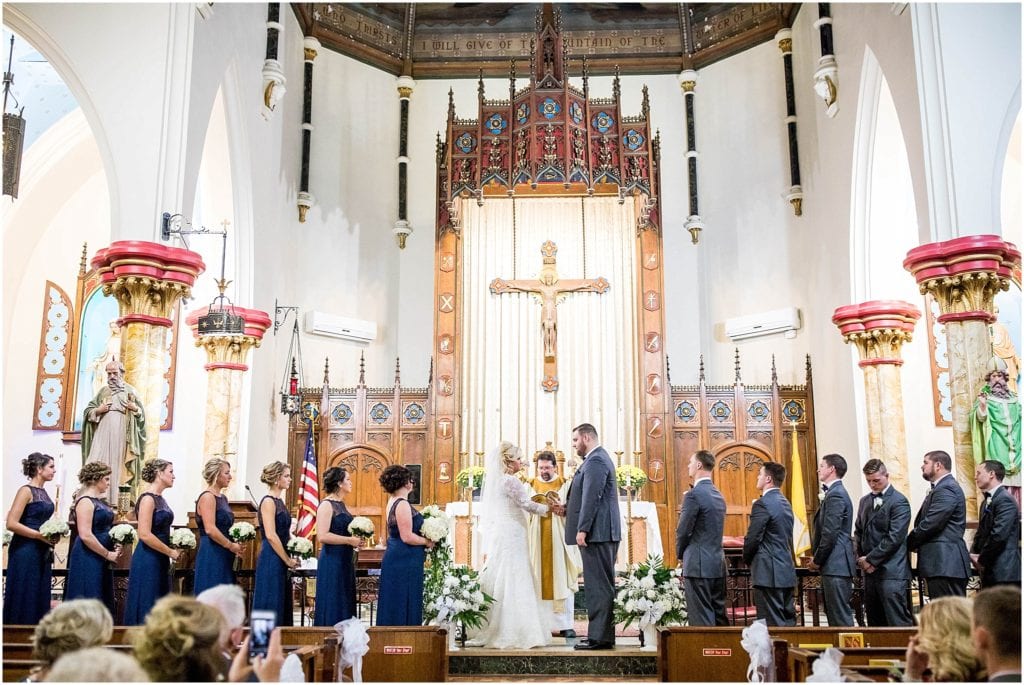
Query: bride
(514, 620)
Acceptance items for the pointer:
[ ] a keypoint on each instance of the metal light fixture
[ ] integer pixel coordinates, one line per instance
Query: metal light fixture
(14, 133)
(291, 383)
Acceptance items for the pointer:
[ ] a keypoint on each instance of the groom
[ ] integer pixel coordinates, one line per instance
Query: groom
(592, 523)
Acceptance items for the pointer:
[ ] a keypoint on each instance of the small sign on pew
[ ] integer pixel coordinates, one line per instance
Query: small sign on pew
(397, 649)
(719, 651)
(851, 640)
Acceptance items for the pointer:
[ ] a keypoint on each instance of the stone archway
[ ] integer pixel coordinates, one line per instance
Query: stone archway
(364, 465)
(736, 467)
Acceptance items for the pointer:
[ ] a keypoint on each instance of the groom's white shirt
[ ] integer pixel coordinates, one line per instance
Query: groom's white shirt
(590, 452)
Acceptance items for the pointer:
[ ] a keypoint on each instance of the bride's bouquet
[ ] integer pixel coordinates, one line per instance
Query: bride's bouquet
(457, 598)
(650, 595)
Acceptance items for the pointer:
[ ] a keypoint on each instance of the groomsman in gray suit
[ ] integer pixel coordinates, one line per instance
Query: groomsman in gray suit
(592, 523)
(831, 544)
(996, 547)
(768, 549)
(699, 545)
(938, 533)
(883, 518)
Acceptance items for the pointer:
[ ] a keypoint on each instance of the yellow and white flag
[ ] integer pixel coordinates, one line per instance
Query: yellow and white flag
(801, 531)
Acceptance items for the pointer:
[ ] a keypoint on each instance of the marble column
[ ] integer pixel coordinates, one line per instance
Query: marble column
(878, 329)
(147, 279)
(964, 275)
(227, 356)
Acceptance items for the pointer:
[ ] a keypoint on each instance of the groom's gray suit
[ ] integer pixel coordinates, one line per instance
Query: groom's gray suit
(593, 508)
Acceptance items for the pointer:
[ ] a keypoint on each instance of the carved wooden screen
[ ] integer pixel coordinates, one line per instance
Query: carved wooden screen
(736, 468)
(364, 466)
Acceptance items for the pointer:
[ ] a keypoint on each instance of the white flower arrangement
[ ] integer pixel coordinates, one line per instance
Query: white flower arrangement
(435, 527)
(361, 527)
(431, 510)
(54, 528)
(183, 538)
(242, 532)
(457, 598)
(650, 595)
(300, 547)
(821, 496)
(8, 536)
(122, 534)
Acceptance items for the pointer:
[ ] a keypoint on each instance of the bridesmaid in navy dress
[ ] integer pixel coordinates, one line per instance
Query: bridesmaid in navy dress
(89, 574)
(149, 578)
(401, 569)
(336, 569)
(217, 553)
(273, 587)
(29, 558)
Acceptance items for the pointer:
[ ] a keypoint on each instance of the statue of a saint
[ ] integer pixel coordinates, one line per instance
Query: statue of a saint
(995, 421)
(114, 429)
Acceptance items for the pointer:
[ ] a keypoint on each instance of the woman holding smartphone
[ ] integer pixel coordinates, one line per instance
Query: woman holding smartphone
(273, 587)
(336, 569)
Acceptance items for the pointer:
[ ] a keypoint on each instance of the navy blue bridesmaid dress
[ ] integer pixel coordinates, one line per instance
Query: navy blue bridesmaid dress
(401, 575)
(89, 574)
(149, 578)
(29, 566)
(273, 591)
(336, 574)
(214, 563)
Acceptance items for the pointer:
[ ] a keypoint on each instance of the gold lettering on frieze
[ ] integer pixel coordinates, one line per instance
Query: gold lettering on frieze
(610, 42)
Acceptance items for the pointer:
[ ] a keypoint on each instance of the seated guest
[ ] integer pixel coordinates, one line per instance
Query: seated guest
(217, 553)
(180, 641)
(229, 600)
(336, 570)
(29, 558)
(997, 632)
(69, 627)
(149, 578)
(942, 650)
(97, 665)
(89, 574)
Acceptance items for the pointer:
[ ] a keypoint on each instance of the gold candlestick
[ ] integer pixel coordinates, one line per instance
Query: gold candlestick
(618, 458)
(629, 527)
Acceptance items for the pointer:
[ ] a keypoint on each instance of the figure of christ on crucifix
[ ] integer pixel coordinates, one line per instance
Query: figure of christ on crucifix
(549, 291)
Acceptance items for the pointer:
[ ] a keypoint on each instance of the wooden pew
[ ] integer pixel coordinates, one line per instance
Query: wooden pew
(801, 661)
(14, 633)
(691, 654)
(406, 654)
(18, 669)
(327, 642)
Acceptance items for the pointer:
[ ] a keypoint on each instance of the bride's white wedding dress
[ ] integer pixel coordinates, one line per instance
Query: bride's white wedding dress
(514, 620)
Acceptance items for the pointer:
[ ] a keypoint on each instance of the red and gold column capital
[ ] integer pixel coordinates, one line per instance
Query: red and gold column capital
(964, 274)
(230, 351)
(147, 278)
(878, 328)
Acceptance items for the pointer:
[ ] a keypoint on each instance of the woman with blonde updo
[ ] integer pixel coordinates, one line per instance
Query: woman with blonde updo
(942, 650)
(70, 626)
(180, 641)
(148, 579)
(272, 590)
(29, 558)
(89, 575)
(217, 553)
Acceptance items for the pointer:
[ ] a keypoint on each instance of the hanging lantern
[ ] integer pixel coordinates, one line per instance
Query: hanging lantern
(14, 134)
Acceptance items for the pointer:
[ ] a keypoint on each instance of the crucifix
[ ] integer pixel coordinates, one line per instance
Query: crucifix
(549, 291)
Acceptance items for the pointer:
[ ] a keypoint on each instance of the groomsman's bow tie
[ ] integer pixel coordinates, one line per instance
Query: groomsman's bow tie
(824, 488)
(986, 495)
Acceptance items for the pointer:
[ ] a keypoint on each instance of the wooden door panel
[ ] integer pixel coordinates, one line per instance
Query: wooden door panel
(367, 498)
(736, 467)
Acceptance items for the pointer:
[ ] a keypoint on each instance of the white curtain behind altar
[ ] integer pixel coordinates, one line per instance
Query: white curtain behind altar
(503, 365)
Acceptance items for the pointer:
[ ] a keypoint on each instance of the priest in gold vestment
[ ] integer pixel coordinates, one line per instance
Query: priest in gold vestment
(556, 566)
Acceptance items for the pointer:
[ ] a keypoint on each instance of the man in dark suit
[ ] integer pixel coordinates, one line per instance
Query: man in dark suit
(831, 544)
(699, 545)
(880, 535)
(996, 632)
(768, 549)
(996, 548)
(938, 533)
(592, 523)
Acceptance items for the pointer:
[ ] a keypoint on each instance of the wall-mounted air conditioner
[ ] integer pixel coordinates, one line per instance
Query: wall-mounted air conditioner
(768, 323)
(356, 330)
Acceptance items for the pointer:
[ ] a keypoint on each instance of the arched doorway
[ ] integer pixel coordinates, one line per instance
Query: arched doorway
(364, 465)
(736, 467)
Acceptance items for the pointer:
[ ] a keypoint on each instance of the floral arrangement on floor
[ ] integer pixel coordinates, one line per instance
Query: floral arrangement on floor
(54, 528)
(300, 547)
(361, 527)
(650, 595)
(183, 538)
(474, 472)
(242, 532)
(122, 534)
(456, 597)
(8, 536)
(630, 476)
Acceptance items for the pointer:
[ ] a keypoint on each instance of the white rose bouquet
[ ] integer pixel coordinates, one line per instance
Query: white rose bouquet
(54, 528)
(122, 534)
(457, 598)
(8, 536)
(650, 595)
(361, 527)
(183, 538)
(300, 547)
(242, 532)
(435, 527)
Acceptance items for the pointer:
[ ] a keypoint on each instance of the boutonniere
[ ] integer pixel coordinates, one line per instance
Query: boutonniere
(878, 502)
(821, 496)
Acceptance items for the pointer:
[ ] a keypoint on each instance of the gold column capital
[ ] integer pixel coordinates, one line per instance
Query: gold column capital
(879, 345)
(227, 351)
(146, 299)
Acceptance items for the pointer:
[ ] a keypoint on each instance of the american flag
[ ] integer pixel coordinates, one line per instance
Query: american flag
(310, 490)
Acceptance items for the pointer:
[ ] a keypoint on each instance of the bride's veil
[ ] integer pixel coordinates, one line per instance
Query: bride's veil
(492, 508)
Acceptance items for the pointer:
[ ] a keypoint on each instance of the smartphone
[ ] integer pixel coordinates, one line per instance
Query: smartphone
(261, 625)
